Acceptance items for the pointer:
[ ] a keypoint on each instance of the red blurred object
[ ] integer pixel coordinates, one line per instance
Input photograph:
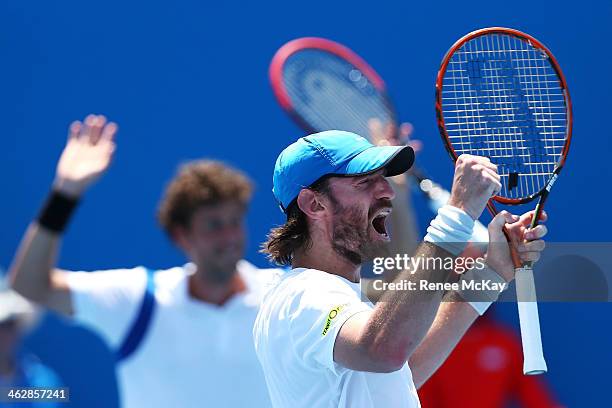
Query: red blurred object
(485, 371)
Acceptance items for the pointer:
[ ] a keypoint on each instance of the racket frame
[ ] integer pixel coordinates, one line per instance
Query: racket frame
(316, 43)
(543, 193)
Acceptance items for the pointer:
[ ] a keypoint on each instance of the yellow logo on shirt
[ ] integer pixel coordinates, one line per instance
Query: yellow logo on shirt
(331, 316)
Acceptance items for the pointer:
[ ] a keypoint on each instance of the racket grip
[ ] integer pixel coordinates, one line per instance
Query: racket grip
(533, 354)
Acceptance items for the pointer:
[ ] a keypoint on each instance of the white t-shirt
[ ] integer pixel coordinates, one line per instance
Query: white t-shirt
(294, 335)
(194, 354)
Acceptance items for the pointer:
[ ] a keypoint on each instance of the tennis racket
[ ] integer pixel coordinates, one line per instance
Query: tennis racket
(324, 85)
(501, 94)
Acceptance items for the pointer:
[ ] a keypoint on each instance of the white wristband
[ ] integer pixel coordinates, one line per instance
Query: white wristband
(480, 300)
(450, 230)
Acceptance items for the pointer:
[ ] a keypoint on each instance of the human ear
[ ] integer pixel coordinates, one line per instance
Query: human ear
(311, 203)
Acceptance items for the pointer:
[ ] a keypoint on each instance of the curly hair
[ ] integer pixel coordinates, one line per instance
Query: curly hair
(201, 183)
(282, 241)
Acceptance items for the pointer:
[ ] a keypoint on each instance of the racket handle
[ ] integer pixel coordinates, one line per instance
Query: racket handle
(531, 337)
(533, 354)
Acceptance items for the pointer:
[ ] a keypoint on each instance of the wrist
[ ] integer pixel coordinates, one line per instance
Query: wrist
(474, 215)
(68, 188)
(451, 229)
(57, 211)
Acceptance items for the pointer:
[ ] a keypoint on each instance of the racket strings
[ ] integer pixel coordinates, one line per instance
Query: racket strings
(501, 98)
(330, 93)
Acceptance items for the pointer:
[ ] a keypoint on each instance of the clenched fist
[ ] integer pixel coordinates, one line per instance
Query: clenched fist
(475, 182)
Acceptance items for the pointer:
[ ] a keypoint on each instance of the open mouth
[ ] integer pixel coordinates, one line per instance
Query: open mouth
(379, 222)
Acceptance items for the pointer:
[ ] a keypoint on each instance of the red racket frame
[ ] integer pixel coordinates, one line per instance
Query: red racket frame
(290, 48)
(568, 103)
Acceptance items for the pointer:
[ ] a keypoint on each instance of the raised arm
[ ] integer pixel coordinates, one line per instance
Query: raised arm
(386, 338)
(85, 158)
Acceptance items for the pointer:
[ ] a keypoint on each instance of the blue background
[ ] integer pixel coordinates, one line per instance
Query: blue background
(188, 79)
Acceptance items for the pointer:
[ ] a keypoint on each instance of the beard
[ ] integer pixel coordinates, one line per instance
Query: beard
(350, 234)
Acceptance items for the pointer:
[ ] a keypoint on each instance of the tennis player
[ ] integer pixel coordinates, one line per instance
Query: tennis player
(183, 335)
(320, 343)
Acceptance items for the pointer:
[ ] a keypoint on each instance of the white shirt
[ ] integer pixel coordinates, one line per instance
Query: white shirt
(294, 335)
(194, 354)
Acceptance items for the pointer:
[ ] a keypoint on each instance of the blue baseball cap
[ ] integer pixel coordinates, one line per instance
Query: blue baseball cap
(333, 153)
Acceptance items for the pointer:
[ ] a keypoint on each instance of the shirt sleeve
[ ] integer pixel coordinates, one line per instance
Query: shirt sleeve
(107, 301)
(319, 313)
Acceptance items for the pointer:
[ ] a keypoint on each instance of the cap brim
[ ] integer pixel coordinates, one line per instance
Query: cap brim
(395, 159)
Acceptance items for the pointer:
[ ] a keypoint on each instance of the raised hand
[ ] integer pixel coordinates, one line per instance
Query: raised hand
(476, 180)
(86, 156)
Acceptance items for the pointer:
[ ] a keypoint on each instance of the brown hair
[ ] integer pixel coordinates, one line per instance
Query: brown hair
(284, 240)
(200, 183)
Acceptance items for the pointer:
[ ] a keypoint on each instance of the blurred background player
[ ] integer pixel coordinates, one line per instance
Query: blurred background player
(18, 367)
(182, 335)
